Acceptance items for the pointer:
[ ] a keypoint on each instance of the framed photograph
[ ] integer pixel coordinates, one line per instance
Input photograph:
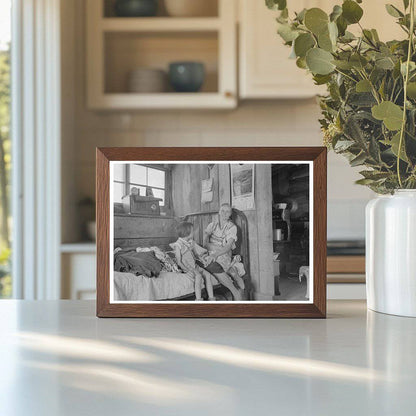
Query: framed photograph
(211, 232)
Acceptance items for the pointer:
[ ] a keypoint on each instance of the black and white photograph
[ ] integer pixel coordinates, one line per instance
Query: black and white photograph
(211, 232)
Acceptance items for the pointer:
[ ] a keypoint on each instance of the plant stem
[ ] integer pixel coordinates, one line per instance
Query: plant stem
(373, 90)
(345, 75)
(406, 80)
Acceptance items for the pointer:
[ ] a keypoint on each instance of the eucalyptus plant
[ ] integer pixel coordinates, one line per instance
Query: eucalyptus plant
(369, 112)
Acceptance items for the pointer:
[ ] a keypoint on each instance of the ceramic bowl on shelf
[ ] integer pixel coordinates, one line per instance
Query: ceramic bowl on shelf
(135, 8)
(186, 76)
(147, 80)
(191, 8)
(92, 230)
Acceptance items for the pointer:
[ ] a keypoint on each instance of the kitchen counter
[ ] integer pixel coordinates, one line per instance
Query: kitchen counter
(58, 359)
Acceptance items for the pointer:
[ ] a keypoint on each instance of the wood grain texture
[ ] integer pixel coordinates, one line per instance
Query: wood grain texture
(232, 309)
(346, 264)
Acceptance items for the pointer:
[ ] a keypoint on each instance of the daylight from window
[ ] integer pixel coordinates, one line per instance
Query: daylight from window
(140, 180)
(5, 144)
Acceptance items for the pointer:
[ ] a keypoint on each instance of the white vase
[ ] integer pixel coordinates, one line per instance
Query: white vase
(391, 253)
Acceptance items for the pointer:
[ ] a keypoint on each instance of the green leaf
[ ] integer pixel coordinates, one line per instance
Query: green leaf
(385, 63)
(301, 63)
(351, 11)
(316, 20)
(412, 67)
(393, 11)
(382, 88)
(364, 181)
(406, 4)
(361, 99)
(358, 61)
(396, 71)
(375, 35)
(391, 114)
(300, 17)
(394, 145)
(321, 79)
(303, 43)
(374, 150)
(353, 130)
(325, 42)
(374, 175)
(343, 65)
(286, 32)
(343, 145)
(333, 32)
(363, 86)
(319, 61)
(358, 160)
(348, 37)
(368, 36)
(411, 90)
(336, 12)
(276, 4)
(342, 25)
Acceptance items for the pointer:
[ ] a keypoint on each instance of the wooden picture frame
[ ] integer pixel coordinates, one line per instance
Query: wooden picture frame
(316, 157)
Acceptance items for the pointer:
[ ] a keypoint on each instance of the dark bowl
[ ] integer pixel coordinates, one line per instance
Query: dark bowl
(186, 76)
(136, 8)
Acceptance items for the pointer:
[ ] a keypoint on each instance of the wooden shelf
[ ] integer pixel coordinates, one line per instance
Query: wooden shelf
(159, 24)
(162, 101)
(80, 247)
(116, 46)
(346, 264)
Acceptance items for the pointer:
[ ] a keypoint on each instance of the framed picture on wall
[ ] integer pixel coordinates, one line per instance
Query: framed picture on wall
(211, 232)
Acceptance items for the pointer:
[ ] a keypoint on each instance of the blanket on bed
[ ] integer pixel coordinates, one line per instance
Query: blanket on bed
(138, 263)
(168, 285)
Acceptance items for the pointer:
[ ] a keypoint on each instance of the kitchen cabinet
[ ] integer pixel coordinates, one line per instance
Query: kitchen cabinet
(265, 70)
(78, 263)
(116, 46)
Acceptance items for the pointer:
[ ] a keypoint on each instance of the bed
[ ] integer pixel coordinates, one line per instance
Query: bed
(178, 286)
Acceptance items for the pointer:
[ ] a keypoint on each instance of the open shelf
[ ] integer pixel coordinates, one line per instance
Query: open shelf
(116, 46)
(128, 51)
(166, 101)
(160, 24)
(211, 9)
(79, 247)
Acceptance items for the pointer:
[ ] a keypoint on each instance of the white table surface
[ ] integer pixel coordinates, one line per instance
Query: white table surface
(56, 358)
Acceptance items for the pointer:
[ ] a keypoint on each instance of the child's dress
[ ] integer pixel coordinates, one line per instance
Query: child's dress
(190, 252)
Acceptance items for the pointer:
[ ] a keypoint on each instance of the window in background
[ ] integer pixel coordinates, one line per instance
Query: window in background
(5, 145)
(141, 177)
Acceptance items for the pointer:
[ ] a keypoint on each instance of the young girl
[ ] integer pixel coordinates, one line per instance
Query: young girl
(187, 252)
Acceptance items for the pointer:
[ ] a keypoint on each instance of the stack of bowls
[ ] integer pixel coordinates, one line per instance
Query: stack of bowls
(147, 80)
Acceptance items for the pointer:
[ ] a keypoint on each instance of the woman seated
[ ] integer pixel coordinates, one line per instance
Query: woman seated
(220, 237)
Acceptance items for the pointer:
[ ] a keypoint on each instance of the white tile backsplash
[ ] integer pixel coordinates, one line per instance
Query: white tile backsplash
(258, 123)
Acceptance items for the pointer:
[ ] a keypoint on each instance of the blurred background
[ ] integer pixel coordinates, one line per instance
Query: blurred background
(99, 73)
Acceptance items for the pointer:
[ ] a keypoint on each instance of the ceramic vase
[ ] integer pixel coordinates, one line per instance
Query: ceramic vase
(136, 8)
(391, 253)
(186, 76)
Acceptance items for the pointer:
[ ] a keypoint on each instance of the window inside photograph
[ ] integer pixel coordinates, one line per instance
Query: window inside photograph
(140, 179)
